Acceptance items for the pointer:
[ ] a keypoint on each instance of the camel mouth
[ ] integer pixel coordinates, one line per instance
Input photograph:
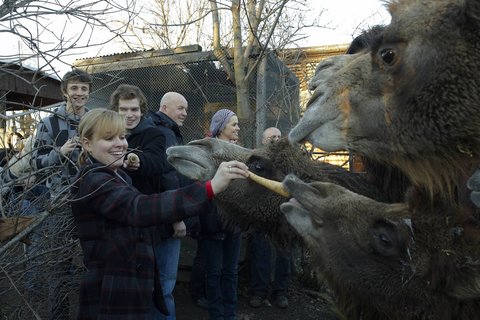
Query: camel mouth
(293, 208)
(187, 164)
(185, 160)
(303, 131)
(298, 217)
(185, 154)
(309, 123)
(321, 124)
(301, 194)
(315, 96)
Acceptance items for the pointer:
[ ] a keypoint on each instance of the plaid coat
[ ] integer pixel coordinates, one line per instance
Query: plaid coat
(111, 217)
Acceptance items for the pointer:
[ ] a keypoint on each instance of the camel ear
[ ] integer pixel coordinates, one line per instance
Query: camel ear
(472, 10)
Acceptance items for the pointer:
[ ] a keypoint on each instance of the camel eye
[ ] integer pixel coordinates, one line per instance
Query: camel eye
(388, 56)
(383, 240)
(255, 166)
(260, 165)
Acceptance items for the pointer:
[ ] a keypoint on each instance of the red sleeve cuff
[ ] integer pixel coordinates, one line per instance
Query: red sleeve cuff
(210, 193)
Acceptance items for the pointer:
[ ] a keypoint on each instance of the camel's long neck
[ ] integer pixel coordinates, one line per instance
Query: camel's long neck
(391, 182)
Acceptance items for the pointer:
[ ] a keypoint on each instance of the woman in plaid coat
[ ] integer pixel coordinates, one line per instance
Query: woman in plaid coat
(111, 218)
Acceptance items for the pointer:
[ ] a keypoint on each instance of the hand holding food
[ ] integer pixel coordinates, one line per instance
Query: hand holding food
(226, 172)
(132, 163)
(132, 158)
(271, 185)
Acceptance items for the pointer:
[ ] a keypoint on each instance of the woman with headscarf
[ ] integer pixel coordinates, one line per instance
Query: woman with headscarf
(221, 244)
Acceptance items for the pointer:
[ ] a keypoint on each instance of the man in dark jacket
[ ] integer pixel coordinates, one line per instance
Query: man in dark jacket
(169, 118)
(261, 258)
(149, 143)
(144, 139)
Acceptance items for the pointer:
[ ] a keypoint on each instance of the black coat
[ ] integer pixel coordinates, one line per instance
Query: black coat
(173, 137)
(171, 179)
(148, 142)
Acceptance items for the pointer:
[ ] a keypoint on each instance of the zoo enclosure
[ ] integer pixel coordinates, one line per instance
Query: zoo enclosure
(24, 284)
(274, 95)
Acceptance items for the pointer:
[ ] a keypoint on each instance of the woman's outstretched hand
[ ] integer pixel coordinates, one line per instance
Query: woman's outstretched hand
(226, 172)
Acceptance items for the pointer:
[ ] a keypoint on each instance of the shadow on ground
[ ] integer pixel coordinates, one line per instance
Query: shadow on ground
(304, 303)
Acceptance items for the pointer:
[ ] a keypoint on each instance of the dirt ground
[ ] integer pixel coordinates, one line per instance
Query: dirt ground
(304, 303)
(308, 299)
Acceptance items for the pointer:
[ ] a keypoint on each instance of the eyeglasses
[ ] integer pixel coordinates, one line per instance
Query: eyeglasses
(274, 138)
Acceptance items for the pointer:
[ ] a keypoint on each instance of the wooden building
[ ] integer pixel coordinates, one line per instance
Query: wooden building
(22, 87)
(22, 90)
(303, 62)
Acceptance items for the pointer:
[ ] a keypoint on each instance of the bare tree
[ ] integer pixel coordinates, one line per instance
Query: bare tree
(242, 32)
(51, 30)
(169, 24)
(42, 34)
(258, 26)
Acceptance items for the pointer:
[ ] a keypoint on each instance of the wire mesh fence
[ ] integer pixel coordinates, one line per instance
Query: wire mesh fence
(273, 94)
(41, 260)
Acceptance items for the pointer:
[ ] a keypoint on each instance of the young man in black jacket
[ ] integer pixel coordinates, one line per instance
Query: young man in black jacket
(149, 142)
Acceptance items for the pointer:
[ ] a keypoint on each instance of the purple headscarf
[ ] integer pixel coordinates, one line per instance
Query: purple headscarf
(219, 121)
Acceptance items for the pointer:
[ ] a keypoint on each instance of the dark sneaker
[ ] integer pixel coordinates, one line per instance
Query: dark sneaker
(256, 301)
(281, 302)
(202, 303)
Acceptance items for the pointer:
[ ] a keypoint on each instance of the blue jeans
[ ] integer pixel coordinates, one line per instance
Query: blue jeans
(197, 279)
(261, 255)
(221, 258)
(167, 253)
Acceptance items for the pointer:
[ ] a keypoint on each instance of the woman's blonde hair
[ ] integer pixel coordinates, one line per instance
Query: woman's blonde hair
(97, 124)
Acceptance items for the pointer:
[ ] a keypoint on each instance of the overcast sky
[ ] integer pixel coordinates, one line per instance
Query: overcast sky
(345, 18)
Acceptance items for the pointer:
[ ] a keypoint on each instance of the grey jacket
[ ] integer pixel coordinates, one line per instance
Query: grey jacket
(52, 133)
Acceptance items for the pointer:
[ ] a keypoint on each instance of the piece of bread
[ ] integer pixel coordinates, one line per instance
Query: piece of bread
(132, 158)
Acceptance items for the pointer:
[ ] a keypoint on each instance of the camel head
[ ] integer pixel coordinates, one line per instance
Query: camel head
(410, 99)
(249, 204)
(383, 260)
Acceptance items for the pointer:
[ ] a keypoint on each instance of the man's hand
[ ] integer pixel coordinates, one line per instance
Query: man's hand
(132, 163)
(70, 145)
(179, 229)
